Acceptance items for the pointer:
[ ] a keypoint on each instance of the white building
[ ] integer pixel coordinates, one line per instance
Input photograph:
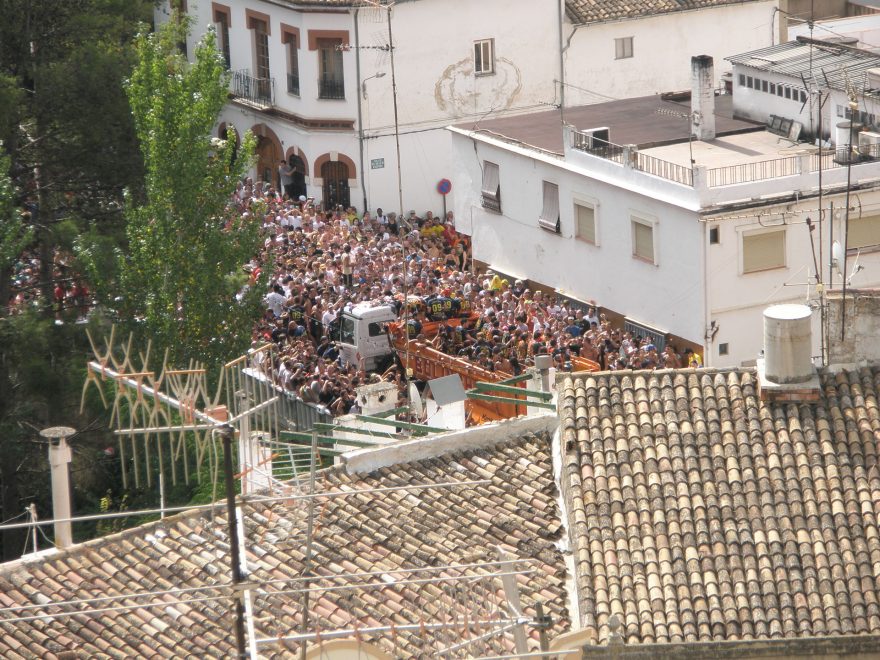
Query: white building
(623, 217)
(313, 78)
(786, 80)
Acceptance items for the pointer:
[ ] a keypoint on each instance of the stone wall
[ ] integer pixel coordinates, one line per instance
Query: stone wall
(860, 343)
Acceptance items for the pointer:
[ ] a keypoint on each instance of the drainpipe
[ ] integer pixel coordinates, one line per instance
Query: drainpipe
(561, 58)
(357, 62)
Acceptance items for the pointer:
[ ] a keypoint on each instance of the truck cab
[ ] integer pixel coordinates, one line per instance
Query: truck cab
(363, 336)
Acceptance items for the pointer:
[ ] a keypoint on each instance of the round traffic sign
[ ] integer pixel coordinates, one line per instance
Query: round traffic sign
(444, 186)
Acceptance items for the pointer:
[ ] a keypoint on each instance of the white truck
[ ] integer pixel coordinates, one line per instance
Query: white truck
(363, 336)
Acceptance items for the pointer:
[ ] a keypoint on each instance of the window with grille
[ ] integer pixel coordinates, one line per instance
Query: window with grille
(643, 240)
(763, 251)
(491, 188)
(332, 80)
(863, 233)
(623, 48)
(484, 57)
(549, 218)
(585, 217)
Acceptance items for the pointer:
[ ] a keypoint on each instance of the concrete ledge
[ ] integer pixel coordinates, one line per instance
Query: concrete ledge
(476, 437)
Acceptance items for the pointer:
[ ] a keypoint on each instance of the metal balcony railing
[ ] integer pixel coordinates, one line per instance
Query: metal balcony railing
(259, 91)
(293, 83)
(331, 88)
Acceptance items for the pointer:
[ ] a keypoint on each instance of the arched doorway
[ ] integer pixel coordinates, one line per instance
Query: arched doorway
(298, 165)
(335, 177)
(267, 161)
(269, 155)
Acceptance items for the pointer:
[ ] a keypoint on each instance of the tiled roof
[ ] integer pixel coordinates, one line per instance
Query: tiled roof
(701, 514)
(597, 11)
(363, 533)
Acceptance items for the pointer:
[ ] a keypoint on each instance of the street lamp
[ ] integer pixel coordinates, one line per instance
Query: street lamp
(364, 83)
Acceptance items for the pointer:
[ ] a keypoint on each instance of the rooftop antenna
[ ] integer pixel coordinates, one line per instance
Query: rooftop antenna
(853, 109)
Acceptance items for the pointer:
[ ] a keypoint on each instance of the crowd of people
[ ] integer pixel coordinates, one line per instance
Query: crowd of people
(324, 262)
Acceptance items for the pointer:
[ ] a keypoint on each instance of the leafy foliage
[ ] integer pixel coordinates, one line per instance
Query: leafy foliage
(178, 281)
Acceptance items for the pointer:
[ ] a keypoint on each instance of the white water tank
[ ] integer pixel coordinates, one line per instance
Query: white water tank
(788, 344)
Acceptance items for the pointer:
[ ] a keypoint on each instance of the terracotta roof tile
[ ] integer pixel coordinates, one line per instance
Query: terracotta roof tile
(368, 532)
(699, 513)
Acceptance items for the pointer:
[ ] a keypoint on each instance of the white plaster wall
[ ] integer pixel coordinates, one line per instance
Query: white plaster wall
(668, 295)
(434, 43)
(758, 105)
(737, 300)
(662, 50)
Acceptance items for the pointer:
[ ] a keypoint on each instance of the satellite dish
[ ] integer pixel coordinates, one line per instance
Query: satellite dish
(837, 256)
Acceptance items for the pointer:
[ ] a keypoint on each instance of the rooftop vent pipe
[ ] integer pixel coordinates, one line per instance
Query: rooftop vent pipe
(59, 462)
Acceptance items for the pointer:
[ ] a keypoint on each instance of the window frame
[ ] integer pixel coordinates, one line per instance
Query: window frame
(651, 223)
(753, 234)
(222, 16)
(593, 205)
(545, 218)
(480, 45)
(715, 235)
(489, 200)
(624, 48)
(290, 37)
(334, 46)
(865, 247)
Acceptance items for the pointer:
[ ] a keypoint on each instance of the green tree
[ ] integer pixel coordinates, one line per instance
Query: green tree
(70, 149)
(178, 279)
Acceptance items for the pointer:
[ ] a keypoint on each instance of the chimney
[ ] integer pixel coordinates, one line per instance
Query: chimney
(702, 97)
(787, 374)
(59, 462)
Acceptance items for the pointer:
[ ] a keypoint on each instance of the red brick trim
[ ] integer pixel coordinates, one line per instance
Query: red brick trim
(296, 151)
(218, 10)
(290, 33)
(261, 130)
(314, 35)
(325, 158)
(253, 17)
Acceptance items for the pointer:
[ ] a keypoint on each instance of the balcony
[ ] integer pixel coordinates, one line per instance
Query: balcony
(257, 91)
(293, 84)
(331, 88)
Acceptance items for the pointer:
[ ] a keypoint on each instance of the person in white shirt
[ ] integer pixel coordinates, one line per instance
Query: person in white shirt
(275, 300)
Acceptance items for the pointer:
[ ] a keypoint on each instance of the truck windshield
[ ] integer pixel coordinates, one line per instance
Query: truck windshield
(346, 335)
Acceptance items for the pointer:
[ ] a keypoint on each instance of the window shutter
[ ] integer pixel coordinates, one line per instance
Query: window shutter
(864, 232)
(549, 218)
(586, 223)
(643, 241)
(763, 251)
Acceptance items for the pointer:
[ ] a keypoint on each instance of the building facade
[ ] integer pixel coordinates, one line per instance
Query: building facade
(689, 238)
(314, 78)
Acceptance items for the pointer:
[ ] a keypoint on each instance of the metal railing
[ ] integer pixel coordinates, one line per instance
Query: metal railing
(596, 147)
(259, 91)
(330, 88)
(757, 171)
(293, 83)
(664, 169)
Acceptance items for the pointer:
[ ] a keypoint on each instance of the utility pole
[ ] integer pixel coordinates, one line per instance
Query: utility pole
(226, 432)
